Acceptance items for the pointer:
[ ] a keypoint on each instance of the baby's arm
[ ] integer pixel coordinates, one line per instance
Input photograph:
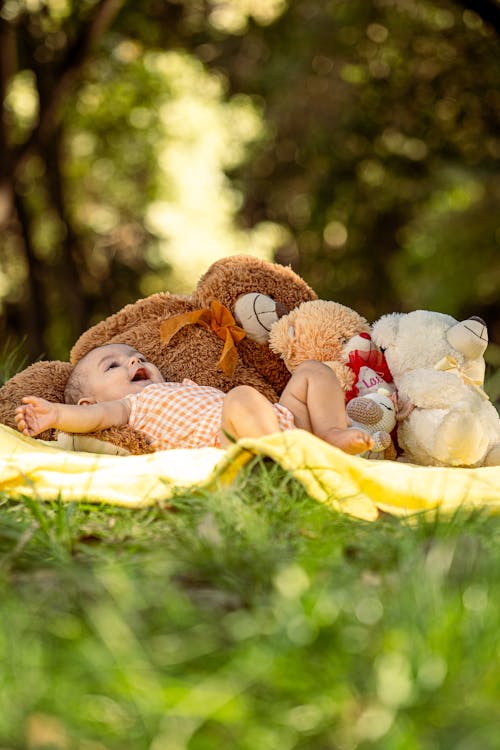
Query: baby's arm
(36, 415)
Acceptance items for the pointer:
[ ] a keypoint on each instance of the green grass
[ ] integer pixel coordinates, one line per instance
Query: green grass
(12, 359)
(250, 619)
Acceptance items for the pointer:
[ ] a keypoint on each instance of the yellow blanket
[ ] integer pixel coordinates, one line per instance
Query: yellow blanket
(350, 484)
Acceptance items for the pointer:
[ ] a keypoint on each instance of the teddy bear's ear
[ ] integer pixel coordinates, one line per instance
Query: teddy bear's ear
(385, 329)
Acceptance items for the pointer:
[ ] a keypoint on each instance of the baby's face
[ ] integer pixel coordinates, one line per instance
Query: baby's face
(116, 370)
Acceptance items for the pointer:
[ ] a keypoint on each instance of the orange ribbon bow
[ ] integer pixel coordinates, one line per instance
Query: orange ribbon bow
(216, 318)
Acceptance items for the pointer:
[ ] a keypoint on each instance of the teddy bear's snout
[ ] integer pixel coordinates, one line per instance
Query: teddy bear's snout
(256, 313)
(469, 337)
(364, 410)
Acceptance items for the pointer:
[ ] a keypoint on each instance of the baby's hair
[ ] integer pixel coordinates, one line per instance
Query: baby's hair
(77, 387)
(73, 391)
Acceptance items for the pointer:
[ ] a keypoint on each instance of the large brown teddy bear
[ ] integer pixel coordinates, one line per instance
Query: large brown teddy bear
(197, 336)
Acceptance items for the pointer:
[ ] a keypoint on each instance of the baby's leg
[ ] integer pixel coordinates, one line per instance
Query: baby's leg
(317, 401)
(247, 413)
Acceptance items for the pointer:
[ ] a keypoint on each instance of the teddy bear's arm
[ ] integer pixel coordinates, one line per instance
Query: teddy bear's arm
(431, 389)
(381, 440)
(125, 439)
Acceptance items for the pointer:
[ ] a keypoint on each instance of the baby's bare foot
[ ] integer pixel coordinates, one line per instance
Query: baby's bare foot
(350, 441)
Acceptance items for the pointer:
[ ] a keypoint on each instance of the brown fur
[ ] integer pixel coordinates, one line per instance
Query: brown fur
(192, 353)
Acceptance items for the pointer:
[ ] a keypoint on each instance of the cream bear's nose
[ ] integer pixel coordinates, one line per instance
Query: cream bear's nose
(470, 337)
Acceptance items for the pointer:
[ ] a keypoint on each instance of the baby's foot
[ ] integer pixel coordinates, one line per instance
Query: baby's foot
(350, 441)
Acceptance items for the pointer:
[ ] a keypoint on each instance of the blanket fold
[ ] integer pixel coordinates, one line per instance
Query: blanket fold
(348, 484)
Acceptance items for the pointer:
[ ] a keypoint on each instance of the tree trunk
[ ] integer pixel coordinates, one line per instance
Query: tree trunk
(50, 113)
(35, 307)
(70, 263)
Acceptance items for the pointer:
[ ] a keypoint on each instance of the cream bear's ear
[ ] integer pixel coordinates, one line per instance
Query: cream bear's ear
(469, 337)
(384, 331)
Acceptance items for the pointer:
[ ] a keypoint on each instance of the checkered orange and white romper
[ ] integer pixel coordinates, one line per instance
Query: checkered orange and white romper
(185, 415)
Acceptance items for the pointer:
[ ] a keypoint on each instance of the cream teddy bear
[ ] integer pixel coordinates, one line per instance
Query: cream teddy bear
(437, 365)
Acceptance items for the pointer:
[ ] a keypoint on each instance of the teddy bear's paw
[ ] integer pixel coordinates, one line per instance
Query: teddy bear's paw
(390, 453)
(381, 440)
(115, 441)
(493, 456)
(89, 444)
(460, 439)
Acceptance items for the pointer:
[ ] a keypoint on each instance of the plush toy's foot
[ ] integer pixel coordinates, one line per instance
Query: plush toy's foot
(493, 456)
(350, 441)
(460, 440)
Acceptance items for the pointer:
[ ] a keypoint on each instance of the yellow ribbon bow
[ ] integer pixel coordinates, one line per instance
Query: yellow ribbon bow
(216, 318)
(468, 373)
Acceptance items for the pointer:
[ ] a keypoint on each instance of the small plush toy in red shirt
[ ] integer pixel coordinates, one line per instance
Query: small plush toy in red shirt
(368, 364)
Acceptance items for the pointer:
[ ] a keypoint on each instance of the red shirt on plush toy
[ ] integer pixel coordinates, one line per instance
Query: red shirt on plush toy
(368, 363)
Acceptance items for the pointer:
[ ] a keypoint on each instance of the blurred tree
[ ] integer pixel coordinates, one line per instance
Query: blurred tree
(359, 140)
(383, 150)
(107, 126)
(44, 47)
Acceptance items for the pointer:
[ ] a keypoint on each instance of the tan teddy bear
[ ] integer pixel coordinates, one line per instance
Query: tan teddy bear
(193, 336)
(336, 335)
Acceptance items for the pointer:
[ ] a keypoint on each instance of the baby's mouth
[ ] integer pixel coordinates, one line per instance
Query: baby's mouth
(141, 374)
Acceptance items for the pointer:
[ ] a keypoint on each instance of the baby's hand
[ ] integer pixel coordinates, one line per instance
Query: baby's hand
(35, 415)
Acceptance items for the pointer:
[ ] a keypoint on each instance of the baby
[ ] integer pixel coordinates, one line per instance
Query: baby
(115, 385)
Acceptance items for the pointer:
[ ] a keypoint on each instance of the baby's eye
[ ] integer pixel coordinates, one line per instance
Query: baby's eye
(112, 364)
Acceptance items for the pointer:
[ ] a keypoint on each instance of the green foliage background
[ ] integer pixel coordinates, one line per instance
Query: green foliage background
(356, 140)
